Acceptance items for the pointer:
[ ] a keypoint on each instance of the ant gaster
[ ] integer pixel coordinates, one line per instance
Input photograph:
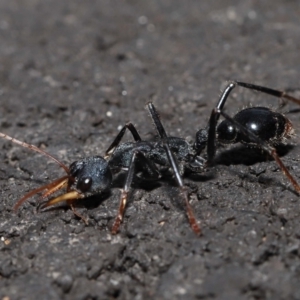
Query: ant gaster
(256, 126)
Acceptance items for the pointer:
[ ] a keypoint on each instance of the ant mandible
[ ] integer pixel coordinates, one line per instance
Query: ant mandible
(256, 126)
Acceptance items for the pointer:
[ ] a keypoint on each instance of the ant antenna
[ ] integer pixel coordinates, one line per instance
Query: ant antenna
(36, 149)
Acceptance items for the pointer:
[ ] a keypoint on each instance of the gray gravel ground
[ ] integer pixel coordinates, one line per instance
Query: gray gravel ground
(73, 72)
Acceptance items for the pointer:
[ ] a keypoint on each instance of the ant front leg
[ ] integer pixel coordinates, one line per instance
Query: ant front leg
(149, 167)
(119, 137)
(162, 133)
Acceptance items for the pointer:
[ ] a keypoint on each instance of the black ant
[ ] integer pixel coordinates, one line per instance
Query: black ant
(257, 126)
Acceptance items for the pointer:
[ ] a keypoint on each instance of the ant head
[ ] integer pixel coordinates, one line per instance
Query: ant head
(86, 177)
(227, 133)
(90, 176)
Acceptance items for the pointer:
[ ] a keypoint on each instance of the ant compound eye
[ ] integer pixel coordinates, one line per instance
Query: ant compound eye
(226, 132)
(84, 184)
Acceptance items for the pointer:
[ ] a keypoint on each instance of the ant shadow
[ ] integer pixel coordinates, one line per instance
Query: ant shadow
(242, 155)
(94, 201)
(139, 182)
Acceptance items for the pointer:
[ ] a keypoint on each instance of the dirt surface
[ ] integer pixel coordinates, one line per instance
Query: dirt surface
(73, 72)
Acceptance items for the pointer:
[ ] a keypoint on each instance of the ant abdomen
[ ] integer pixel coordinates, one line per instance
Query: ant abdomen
(269, 126)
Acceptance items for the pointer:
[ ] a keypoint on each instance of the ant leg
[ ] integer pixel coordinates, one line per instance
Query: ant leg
(150, 167)
(264, 146)
(120, 135)
(77, 214)
(266, 90)
(192, 220)
(213, 120)
(212, 123)
(224, 96)
(162, 133)
(262, 89)
(211, 140)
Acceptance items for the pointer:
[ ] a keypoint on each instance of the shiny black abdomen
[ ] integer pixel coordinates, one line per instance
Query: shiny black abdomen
(268, 125)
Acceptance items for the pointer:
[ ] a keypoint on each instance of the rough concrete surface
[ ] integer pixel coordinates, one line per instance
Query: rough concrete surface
(71, 73)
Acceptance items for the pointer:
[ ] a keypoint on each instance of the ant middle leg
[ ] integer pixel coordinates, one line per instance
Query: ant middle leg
(174, 165)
